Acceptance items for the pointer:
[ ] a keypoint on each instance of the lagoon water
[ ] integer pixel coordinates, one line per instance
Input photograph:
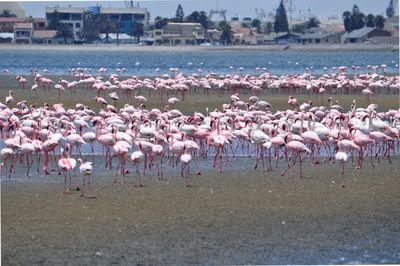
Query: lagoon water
(144, 63)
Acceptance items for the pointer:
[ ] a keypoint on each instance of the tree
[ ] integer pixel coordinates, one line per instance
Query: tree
(357, 18)
(256, 23)
(268, 27)
(91, 27)
(299, 28)
(245, 25)
(7, 14)
(137, 30)
(226, 35)
(106, 26)
(64, 31)
(179, 14)
(281, 23)
(313, 22)
(161, 22)
(30, 19)
(379, 22)
(346, 21)
(54, 22)
(199, 17)
(370, 20)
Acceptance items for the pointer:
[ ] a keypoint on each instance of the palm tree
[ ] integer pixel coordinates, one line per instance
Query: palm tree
(7, 14)
(137, 30)
(64, 31)
(107, 27)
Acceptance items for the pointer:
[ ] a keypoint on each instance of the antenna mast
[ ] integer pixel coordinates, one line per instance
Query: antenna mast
(221, 12)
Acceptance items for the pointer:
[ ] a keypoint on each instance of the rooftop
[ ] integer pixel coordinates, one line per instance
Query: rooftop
(360, 32)
(23, 26)
(42, 34)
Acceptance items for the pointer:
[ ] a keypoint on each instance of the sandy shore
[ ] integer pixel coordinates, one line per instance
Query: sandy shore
(238, 217)
(136, 48)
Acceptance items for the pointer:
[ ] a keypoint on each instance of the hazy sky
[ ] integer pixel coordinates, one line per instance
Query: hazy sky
(166, 8)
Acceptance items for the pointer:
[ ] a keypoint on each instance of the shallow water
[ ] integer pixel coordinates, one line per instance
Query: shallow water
(144, 63)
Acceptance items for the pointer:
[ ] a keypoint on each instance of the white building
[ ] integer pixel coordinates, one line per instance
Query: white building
(124, 17)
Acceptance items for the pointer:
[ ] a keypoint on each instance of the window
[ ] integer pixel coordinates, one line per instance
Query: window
(51, 16)
(76, 16)
(317, 40)
(114, 16)
(158, 33)
(77, 25)
(126, 17)
(138, 16)
(64, 16)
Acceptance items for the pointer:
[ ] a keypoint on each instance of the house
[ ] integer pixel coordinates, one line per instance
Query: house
(6, 37)
(364, 34)
(180, 34)
(213, 36)
(320, 38)
(7, 24)
(286, 38)
(23, 33)
(45, 37)
(247, 36)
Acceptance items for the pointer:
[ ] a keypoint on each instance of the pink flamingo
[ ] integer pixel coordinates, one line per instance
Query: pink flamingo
(185, 160)
(86, 170)
(66, 165)
(298, 148)
(136, 158)
(342, 158)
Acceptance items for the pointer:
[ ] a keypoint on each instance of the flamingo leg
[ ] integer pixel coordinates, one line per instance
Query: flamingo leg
(290, 166)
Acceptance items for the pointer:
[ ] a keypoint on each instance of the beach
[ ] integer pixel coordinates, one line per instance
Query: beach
(191, 48)
(238, 217)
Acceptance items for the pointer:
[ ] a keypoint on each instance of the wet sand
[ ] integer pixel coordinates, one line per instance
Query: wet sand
(242, 216)
(189, 48)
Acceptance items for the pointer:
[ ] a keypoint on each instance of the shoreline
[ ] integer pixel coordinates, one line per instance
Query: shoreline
(136, 48)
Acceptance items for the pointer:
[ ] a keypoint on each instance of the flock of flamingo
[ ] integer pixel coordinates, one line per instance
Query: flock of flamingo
(244, 127)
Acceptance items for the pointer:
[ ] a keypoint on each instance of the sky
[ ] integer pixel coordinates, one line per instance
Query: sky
(322, 9)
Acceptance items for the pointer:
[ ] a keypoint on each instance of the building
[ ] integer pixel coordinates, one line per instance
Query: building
(180, 34)
(320, 38)
(6, 37)
(45, 37)
(23, 33)
(364, 34)
(7, 24)
(73, 16)
(288, 38)
(247, 36)
(213, 36)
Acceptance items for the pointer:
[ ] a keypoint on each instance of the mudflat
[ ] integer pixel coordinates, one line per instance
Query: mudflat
(241, 216)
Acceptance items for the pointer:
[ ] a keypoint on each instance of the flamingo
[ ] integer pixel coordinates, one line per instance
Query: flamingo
(10, 98)
(66, 165)
(298, 148)
(86, 170)
(342, 158)
(136, 158)
(185, 160)
(5, 155)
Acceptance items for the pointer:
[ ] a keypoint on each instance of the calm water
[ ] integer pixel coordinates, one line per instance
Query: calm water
(220, 62)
